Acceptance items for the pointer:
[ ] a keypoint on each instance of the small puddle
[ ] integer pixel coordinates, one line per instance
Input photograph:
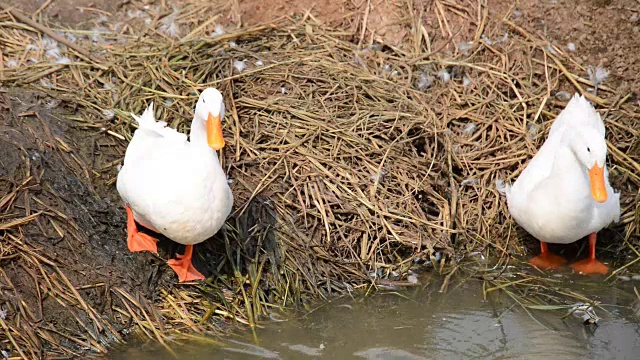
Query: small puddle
(426, 324)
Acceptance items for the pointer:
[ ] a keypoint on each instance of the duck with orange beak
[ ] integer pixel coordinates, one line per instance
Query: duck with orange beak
(564, 194)
(174, 186)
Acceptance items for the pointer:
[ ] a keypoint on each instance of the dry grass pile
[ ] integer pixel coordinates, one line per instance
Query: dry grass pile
(366, 160)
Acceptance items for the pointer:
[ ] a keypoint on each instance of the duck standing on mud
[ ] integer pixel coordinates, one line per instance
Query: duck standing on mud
(174, 186)
(564, 193)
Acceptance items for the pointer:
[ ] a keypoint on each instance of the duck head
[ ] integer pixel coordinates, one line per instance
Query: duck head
(590, 148)
(210, 110)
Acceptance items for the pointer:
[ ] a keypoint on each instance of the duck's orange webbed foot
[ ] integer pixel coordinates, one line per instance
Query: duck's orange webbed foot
(591, 265)
(137, 241)
(184, 267)
(547, 259)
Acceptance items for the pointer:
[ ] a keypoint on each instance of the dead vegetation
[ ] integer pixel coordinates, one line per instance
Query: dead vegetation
(351, 164)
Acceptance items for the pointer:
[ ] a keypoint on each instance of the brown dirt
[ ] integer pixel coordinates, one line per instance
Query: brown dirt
(604, 32)
(45, 167)
(72, 13)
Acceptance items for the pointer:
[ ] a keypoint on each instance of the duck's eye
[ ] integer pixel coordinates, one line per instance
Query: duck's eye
(589, 150)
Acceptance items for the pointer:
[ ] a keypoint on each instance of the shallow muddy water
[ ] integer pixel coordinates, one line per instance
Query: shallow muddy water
(426, 324)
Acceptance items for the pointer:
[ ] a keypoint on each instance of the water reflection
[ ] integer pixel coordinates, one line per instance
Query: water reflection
(456, 325)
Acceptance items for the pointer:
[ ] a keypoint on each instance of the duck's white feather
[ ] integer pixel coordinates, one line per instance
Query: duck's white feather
(173, 186)
(551, 198)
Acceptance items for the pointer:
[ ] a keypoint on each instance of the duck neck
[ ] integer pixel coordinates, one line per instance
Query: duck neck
(198, 134)
(570, 173)
(198, 139)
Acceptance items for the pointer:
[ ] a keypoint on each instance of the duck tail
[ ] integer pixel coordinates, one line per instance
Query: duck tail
(147, 120)
(503, 189)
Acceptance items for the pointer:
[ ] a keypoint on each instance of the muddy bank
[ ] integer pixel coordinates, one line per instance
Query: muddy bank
(64, 259)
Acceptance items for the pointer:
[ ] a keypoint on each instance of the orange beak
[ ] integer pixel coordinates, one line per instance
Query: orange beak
(596, 178)
(214, 132)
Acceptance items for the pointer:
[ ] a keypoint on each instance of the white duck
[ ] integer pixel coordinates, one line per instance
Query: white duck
(174, 186)
(564, 193)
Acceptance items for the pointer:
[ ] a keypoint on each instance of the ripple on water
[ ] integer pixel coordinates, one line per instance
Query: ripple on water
(457, 325)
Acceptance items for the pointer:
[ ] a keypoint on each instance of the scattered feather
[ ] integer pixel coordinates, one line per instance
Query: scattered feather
(32, 47)
(504, 38)
(46, 83)
(168, 101)
(424, 81)
(48, 43)
(102, 19)
(517, 14)
(532, 130)
(563, 96)
(394, 73)
(466, 81)
(634, 18)
(378, 176)
(444, 75)
(169, 25)
(96, 37)
(468, 181)
(51, 103)
(240, 65)
(412, 279)
(283, 90)
(469, 129)
(486, 40)
(571, 46)
(259, 63)
(359, 61)
(597, 75)
(376, 46)
(3, 314)
(11, 63)
(134, 13)
(53, 53)
(551, 50)
(465, 46)
(219, 31)
(32, 60)
(501, 187)
(108, 114)
(232, 44)
(5, 354)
